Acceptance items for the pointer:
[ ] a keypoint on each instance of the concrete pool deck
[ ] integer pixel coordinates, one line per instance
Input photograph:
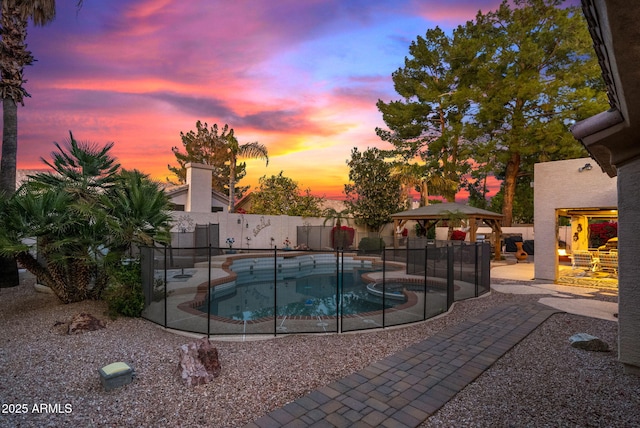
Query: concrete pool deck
(519, 279)
(407, 387)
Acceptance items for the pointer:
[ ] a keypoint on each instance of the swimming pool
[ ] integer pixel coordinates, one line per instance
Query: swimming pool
(282, 292)
(308, 291)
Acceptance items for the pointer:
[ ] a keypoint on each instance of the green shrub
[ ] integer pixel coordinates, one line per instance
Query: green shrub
(371, 245)
(124, 293)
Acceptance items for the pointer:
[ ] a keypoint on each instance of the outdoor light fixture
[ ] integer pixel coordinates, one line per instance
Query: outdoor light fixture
(239, 221)
(586, 166)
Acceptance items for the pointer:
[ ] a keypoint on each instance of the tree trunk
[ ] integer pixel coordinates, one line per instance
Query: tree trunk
(31, 264)
(9, 146)
(232, 184)
(511, 174)
(424, 194)
(8, 266)
(9, 276)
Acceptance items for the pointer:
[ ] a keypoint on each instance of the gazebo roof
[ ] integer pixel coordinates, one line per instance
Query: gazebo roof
(430, 215)
(443, 211)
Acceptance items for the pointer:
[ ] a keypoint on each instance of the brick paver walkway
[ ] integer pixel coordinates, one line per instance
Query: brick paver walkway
(407, 387)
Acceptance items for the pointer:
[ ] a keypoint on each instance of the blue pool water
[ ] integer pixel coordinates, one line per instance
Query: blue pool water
(307, 292)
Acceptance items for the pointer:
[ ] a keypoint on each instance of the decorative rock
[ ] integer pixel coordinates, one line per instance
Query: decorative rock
(588, 343)
(84, 322)
(198, 363)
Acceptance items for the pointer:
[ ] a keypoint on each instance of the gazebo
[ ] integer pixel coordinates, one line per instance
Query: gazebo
(430, 215)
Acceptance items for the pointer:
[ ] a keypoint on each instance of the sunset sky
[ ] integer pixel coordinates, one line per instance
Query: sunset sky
(301, 77)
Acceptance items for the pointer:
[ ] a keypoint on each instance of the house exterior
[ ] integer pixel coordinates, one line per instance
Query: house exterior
(576, 190)
(197, 205)
(613, 140)
(192, 196)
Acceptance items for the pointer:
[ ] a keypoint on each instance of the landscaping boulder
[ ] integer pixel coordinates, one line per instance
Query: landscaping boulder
(198, 362)
(588, 343)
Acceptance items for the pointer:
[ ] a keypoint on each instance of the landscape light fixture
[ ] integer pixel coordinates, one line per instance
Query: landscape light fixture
(586, 166)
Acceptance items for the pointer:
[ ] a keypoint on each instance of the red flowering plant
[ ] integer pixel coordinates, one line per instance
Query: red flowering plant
(342, 236)
(600, 233)
(458, 235)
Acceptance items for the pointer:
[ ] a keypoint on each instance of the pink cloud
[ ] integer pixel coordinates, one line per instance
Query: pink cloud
(138, 72)
(453, 12)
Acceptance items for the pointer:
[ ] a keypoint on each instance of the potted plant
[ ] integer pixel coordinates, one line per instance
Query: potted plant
(230, 242)
(286, 244)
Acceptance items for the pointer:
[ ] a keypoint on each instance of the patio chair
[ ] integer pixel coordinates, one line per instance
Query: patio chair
(609, 261)
(583, 259)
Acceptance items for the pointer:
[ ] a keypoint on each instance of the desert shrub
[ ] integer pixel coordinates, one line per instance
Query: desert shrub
(371, 245)
(124, 293)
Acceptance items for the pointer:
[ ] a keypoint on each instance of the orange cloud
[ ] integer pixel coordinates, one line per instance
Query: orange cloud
(302, 78)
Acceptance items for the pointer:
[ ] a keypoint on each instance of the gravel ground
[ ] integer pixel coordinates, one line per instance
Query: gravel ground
(541, 382)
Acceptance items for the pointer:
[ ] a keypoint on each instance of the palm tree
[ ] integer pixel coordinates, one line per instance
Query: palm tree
(253, 150)
(13, 57)
(84, 215)
(339, 237)
(335, 216)
(137, 212)
(416, 176)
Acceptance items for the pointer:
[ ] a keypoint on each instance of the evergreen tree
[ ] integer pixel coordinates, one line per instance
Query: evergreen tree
(208, 146)
(531, 72)
(502, 90)
(373, 193)
(427, 123)
(280, 195)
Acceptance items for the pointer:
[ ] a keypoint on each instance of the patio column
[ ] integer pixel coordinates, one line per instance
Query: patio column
(473, 228)
(629, 272)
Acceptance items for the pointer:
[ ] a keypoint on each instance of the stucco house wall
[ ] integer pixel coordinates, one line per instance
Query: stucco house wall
(247, 230)
(565, 184)
(258, 228)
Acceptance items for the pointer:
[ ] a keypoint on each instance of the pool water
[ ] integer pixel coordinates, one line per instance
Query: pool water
(306, 294)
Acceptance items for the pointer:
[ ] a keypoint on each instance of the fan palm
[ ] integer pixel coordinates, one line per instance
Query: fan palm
(137, 212)
(82, 215)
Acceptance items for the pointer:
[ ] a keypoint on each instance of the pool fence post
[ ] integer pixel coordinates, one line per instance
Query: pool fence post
(209, 296)
(165, 285)
(485, 266)
(450, 288)
(384, 280)
(338, 295)
(275, 290)
(477, 253)
(426, 260)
